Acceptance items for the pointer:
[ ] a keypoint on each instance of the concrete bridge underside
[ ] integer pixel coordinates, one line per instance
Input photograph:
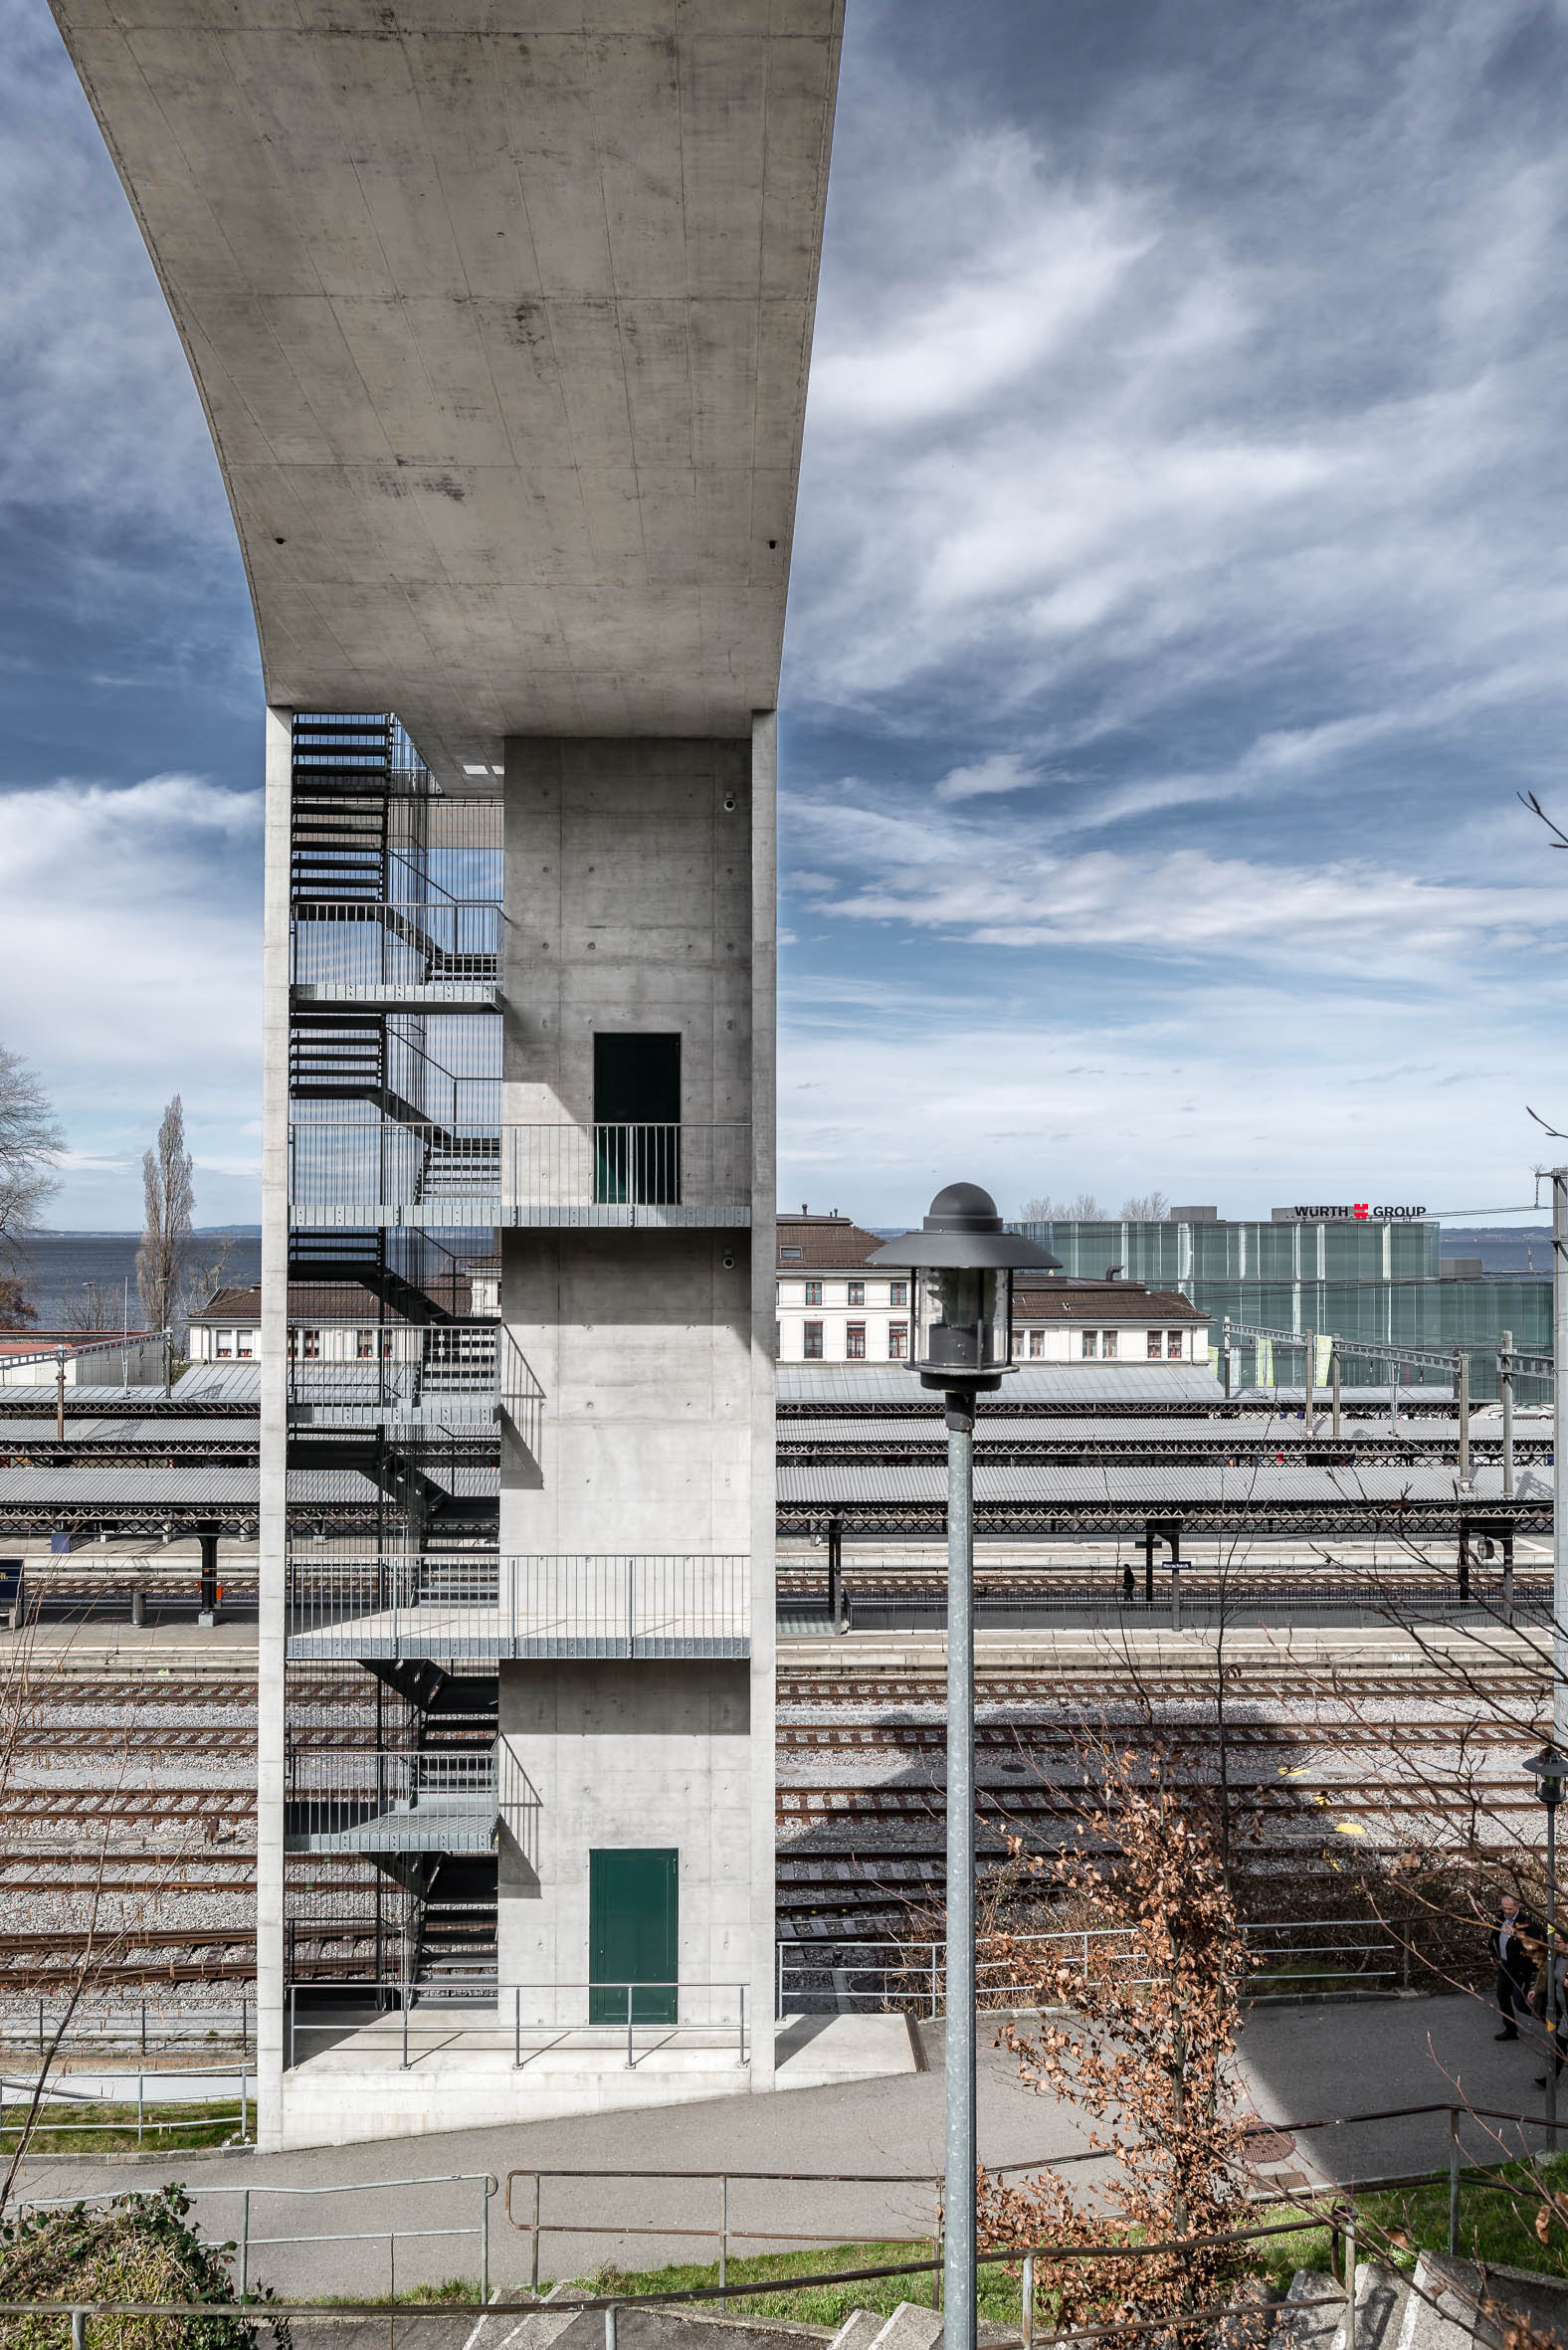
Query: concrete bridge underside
(501, 316)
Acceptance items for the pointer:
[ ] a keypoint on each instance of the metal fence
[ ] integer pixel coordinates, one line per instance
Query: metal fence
(556, 1604)
(361, 943)
(1177, 1604)
(362, 1798)
(366, 1171)
(1292, 1958)
(146, 2025)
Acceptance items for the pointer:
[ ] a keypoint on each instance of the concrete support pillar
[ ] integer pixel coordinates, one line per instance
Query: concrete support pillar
(272, 1526)
(1333, 1373)
(1148, 1566)
(1310, 1380)
(836, 1573)
(764, 1308)
(207, 1602)
(1506, 1383)
(1464, 1562)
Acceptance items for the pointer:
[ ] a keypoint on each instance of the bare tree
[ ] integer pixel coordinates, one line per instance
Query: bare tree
(31, 1140)
(97, 1305)
(1143, 2040)
(1146, 1207)
(1085, 1208)
(168, 1187)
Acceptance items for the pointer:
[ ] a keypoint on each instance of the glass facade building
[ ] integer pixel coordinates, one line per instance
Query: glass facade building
(1379, 1282)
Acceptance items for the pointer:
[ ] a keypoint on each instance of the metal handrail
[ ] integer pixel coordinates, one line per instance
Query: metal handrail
(555, 1172)
(370, 942)
(550, 1604)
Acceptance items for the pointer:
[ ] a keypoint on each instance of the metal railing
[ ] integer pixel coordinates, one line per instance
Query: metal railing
(245, 2244)
(1292, 1959)
(361, 944)
(530, 2017)
(369, 1170)
(556, 1604)
(443, 1370)
(16, 2098)
(440, 1799)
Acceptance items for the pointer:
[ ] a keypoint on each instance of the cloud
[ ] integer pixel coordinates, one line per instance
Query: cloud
(1004, 771)
(130, 970)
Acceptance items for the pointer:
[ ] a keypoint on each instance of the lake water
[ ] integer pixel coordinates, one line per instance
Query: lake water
(58, 1266)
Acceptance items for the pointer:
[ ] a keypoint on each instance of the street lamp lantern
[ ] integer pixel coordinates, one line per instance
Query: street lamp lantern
(961, 1265)
(1549, 1770)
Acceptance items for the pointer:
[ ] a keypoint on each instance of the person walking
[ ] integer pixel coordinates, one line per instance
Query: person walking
(1516, 1967)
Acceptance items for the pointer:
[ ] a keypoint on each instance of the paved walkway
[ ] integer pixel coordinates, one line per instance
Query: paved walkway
(1300, 2063)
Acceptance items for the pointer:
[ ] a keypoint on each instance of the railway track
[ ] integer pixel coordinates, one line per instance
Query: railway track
(1063, 1679)
(1010, 1737)
(1370, 1798)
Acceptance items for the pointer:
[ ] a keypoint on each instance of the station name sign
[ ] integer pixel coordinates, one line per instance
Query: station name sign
(1358, 1212)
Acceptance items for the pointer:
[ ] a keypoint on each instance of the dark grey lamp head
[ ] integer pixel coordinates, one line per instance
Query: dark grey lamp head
(962, 1264)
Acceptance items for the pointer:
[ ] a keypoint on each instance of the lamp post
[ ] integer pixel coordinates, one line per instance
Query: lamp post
(961, 1266)
(1549, 1769)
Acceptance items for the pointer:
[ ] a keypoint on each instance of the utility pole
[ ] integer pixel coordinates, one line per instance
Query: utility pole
(1462, 1384)
(1310, 1377)
(1559, 1468)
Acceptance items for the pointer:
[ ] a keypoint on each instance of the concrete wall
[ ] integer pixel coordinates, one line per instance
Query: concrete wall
(606, 1757)
(630, 886)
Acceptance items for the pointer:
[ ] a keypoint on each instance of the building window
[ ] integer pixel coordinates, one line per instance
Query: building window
(814, 1342)
(1018, 1346)
(857, 1294)
(855, 1343)
(245, 1344)
(1108, 1345)
(791, 1255)
(897, 1342)
(1037, 1342)
(814, 1292)
(1154, 1346)
(225, 1344)
(1089, 1348)
(310, 1345)
(1173, 1345)
(365, 1345)
(897, 1293)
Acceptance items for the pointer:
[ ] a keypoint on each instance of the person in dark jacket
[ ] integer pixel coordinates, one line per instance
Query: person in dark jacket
(1516, 1967)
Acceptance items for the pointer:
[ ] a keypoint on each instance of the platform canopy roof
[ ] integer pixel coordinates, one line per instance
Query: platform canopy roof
(502, 314)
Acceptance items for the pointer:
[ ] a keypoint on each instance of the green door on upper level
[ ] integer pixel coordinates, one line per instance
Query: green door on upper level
(634, 1936)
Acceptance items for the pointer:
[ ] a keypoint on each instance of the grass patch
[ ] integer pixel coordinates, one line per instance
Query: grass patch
(63, 2129)
(1496, 2226)
(457, 2293)
(811, 2304)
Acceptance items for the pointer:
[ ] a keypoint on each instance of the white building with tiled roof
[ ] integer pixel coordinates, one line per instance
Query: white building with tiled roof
(830, 1307)
(833, 1306)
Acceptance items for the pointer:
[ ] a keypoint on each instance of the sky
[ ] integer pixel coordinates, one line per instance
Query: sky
(1177, 612)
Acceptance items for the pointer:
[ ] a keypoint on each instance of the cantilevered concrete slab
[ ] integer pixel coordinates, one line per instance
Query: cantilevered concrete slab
(501, 311)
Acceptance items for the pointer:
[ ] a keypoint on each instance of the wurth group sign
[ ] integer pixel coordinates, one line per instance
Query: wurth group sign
(1358, 1212)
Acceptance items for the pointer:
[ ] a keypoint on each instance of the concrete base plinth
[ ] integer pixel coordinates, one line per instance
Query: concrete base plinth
(468, 2077)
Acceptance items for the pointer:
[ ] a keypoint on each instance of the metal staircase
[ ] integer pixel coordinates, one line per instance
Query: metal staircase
(455, 1927)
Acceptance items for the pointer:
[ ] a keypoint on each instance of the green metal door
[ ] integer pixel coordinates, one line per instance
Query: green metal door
(633, 1936)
